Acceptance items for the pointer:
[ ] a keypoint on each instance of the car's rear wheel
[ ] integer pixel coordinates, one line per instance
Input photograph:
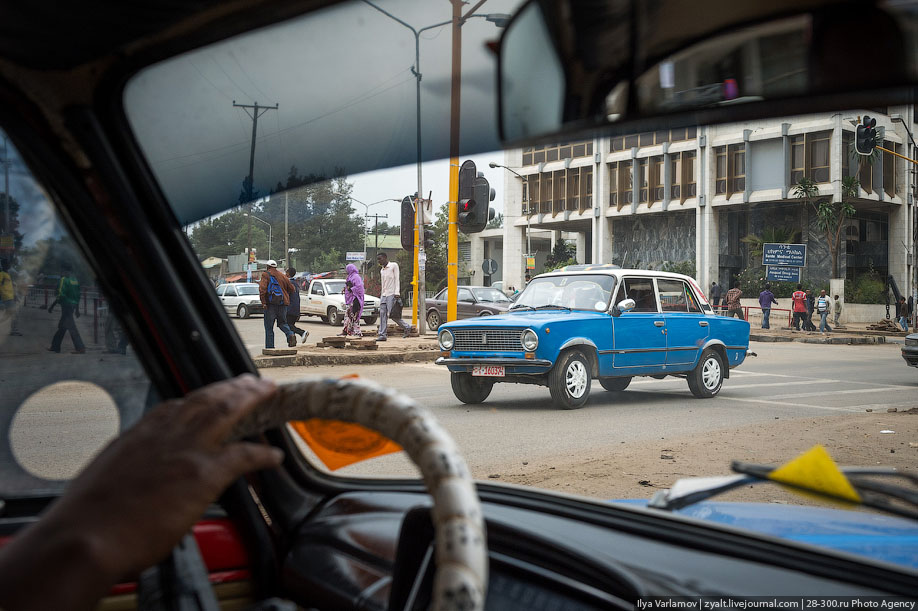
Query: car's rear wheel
(242, 311)
(470, 389)
(433, 320)
(569, 381)
(615, 384)
(370, 320)
(707, 378)
(334, 317)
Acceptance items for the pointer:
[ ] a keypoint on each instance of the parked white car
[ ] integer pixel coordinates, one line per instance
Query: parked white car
(240, 298)
(325, 298)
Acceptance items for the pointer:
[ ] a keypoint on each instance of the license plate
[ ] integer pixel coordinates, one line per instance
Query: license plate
(489, 371)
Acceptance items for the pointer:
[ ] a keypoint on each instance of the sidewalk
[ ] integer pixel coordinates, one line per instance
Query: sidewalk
(852, 333)
(394, 350)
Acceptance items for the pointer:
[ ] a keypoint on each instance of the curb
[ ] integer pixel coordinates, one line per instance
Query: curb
(313, 359)
(838, 340)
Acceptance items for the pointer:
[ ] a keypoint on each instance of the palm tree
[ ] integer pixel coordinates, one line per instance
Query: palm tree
(830, 216)
(772, 235)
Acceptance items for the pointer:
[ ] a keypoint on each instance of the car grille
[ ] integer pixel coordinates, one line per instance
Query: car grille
(487, 340)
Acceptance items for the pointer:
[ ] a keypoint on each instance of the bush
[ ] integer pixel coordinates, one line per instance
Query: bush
(551, 267)
(686, 267)
(866, 288)
(752, 282)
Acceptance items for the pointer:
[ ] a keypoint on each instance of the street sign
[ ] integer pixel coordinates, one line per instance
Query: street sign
(782, 273)
(354, 256)
(793, 255)
(489, 267)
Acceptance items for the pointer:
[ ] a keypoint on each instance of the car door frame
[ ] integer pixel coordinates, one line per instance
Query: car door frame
(686, 332)
(638, 338)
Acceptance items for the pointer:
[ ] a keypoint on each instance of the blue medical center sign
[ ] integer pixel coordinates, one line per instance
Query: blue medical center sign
(791, 255)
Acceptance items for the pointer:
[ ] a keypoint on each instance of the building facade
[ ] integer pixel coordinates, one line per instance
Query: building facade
(691, 195)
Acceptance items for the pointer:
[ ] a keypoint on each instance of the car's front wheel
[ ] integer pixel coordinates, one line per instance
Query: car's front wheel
(433, 320)
(569, 381)
(615, 384)
(470, 389)
(242, 311)
(707, 378)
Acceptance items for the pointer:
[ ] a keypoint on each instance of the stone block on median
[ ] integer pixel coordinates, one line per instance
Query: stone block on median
(279, 351)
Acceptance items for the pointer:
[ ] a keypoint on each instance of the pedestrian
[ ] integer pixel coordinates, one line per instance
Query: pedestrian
(799, 299)
(837, 308)
(823, 306)
(68, 295)
(274, 290)
(810, 303)
(353, 297)
(9, 304)
(528, 279)
(293, 310)
(902, 313)
(733, 302)
(389, 292)
(715, 295)
(766, 299)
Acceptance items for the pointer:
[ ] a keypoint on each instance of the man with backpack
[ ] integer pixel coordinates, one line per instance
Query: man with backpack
(823, 306)
(799, 299)
(275, 289)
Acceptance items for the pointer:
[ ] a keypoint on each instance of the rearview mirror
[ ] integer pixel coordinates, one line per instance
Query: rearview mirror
(566, 65)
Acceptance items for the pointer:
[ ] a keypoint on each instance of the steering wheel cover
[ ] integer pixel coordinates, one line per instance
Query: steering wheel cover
(461, 576)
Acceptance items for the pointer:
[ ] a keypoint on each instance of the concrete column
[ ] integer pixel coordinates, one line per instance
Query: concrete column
(747, 156)
(667, 176)
(513, 263)
(581, 247)
(555, 238)
(477, 256)
(785, 138)
(898, 237)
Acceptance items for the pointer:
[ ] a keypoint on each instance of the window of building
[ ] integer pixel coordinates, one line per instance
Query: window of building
(613, 185)
(554, 152)
(646, 139)
(656, 179)
(586, 188)
(545, 189)
(798, 164)
(865, 176)
(631, 141)
(688, 175)
(618, 144)
(720, 163)
(736, 167)
(532, 199)
(560, 196)
(642, 180)
(625, 184)
(849, 167)
(675, 170)
(818, 156)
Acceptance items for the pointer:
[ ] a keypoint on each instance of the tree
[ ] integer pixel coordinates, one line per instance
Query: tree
(830, 216)
(563, 253)
(771, 235)
(497, 222)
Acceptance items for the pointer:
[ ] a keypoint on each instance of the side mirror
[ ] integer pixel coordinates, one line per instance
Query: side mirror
(625, 305)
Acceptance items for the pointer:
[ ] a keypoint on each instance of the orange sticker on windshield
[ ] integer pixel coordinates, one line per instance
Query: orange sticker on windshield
(815, 470)
(339, 444)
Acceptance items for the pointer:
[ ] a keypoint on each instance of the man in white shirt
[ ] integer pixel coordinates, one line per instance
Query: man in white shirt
(388, 277)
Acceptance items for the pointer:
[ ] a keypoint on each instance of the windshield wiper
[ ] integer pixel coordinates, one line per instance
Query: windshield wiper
(553, 307)
(877, 495)
(521, 306)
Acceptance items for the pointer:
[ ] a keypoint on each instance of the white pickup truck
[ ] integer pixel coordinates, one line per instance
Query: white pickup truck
(325, 299)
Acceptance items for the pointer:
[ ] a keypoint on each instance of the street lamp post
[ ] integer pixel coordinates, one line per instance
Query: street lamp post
(269, 229)
(528, 211)
(366, 215)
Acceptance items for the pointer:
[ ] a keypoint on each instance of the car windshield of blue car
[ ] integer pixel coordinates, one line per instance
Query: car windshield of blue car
(577, 292)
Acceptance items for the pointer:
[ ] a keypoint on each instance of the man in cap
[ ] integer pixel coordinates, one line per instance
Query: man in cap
(274, 290)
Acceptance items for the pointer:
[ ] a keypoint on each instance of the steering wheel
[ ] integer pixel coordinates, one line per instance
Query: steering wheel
(461, 575)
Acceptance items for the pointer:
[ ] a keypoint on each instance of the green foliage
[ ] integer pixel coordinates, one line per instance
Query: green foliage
(497, 222)
(866, 288)
(752, 282)
(559, 264)
(771, 235)
(686, 267)
(328, 262)
(830, 216)
(563, 253)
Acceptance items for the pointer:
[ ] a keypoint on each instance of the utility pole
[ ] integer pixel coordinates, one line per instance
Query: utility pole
(376, 230)
(286, 245)
(256, 111)
(452, 250)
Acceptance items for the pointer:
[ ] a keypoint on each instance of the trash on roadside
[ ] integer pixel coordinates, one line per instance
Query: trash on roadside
(886, 432)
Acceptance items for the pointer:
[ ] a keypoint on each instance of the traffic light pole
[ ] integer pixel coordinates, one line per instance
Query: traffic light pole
(896, 154)
(452, 253)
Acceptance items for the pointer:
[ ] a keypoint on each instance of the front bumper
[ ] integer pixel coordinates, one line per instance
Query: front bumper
(514, 366)
(910, 354)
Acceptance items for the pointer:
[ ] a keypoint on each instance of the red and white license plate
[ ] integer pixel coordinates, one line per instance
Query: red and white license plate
(488, 371)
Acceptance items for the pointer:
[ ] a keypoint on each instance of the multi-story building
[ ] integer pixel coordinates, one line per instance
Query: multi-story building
(692, 194)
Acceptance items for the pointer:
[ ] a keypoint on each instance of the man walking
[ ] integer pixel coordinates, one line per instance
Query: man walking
(733, 302)
(715, 296)
(274, 290)
(810, 304)
(837, 308)
(293, 309)
(902, 313)
(799, 299)
(68, 295)
(823, 306)
(766, 299)
(9, 304)
(388, 277)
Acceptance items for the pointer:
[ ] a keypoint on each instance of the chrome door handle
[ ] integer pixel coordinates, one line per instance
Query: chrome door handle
(703, 323)
(658, 323)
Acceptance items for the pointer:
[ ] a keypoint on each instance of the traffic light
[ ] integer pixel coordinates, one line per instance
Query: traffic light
(467, 176)
(428, 238)
(866, 136)
(407, 228)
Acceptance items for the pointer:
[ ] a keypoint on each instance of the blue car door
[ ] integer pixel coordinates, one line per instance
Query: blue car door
(638, 336)
(687, 328)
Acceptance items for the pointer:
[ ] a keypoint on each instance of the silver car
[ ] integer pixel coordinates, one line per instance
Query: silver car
(240, 298)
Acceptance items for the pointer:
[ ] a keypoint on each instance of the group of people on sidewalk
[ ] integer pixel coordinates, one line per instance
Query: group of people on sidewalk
(805, 304)
(281, 300)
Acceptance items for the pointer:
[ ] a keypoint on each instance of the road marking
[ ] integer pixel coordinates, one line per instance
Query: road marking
(763, 384)
(835, 392)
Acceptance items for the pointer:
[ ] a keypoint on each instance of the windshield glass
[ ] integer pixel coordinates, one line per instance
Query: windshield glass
(577, 292)
(247, 290)
(491, 295)
(259, 162)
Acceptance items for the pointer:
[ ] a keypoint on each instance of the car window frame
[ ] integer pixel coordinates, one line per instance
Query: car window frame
(656, 293)
(681, 283)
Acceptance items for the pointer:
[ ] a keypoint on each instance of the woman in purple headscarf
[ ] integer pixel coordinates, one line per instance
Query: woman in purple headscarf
(353, 297)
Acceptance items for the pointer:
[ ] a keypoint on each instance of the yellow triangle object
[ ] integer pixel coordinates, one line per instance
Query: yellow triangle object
(815, 470)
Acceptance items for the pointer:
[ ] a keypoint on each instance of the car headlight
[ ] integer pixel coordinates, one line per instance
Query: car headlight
(445, 339)
(911, 342)
(530, 340)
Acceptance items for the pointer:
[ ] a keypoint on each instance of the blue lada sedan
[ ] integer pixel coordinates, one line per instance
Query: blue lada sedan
(583, 322)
